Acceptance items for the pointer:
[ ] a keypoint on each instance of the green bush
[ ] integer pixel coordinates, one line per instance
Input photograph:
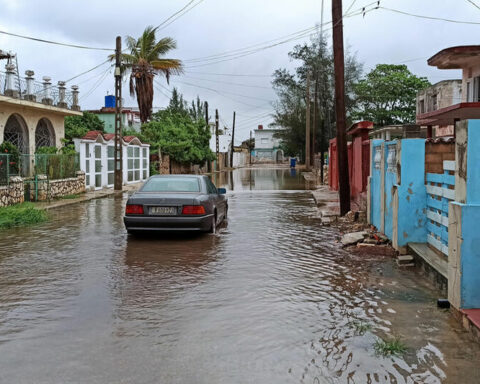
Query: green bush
(20, 215)
(46, 150)
(7, 148)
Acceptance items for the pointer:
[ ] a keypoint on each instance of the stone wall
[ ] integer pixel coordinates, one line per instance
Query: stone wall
(12, 193)
(66, 187)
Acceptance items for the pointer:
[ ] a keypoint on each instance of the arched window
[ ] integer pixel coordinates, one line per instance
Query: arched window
(44, 135)
(16, 133)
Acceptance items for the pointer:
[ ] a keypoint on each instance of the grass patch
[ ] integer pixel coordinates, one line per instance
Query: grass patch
(361, 327)
(393, 347)
(21, 215)
(70, 197)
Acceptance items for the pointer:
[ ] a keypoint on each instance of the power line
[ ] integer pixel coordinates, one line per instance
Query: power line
(96, 85)
(234, 56)
(474, 4)
(228, 74)
(238, 53)
(175, 14)
(231, 93)
(229, 83)
(55, 42)
(180, 13)
(430, 17)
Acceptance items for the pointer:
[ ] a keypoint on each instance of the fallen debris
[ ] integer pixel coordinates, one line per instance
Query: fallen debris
(353, 238)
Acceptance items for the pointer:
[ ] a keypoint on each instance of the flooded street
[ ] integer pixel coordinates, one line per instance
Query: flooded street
(271, 298)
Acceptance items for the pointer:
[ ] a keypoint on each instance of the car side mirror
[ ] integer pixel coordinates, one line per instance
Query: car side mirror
(221, 191)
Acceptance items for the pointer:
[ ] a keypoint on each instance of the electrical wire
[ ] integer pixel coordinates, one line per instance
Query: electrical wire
(474, 4)
(430, 17)
(95, 85)
(241, 52)
(231, 93)
(228, 83)
(55, 42)
(175, 14)
(227, 74)
(179, 14)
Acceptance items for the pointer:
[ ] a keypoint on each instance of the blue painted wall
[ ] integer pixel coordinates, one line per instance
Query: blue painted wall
(470, 256)
(390, 181)
(375, 188)
(412, 194)
(473, 162)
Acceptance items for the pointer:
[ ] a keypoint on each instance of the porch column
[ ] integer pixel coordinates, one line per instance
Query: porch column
(10, 81)
(47, 90)
(29, 94)
(61, 95)
(75, 105)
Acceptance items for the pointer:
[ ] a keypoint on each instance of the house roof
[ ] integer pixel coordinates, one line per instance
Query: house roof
(448, 115)
(95, 135)
(456, 57)
(359, 126)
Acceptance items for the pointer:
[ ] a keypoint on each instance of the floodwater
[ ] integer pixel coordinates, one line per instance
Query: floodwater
(271, 298)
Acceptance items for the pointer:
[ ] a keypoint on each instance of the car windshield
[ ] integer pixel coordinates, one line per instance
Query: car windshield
(172, 184)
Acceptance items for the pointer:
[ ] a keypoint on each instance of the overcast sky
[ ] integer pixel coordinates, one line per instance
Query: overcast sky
(218, 26)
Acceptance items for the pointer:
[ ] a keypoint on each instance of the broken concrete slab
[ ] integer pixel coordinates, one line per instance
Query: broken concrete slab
(353, 238)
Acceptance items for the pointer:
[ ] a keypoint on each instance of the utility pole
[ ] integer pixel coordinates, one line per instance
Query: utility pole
(217, 143)
(250, 148)
(118, 154)
(315, 118)
(209, 163)
(307, 128)
(339, 66)
(233, 140)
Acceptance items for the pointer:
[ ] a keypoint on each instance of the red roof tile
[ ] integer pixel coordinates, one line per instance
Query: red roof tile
(92, 135)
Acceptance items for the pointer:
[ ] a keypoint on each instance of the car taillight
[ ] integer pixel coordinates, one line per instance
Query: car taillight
(132, 209)
(193, 210)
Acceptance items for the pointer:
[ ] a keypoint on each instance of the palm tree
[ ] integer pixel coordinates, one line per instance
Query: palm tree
(144, 61)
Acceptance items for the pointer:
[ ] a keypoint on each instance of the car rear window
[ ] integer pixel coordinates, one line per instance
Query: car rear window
(172, 184)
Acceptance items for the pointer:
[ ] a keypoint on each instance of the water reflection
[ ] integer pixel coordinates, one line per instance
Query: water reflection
(271, 298)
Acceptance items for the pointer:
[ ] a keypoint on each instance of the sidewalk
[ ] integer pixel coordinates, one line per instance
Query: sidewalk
(87, 197)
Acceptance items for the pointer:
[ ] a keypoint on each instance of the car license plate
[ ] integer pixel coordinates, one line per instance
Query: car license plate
(163, 211)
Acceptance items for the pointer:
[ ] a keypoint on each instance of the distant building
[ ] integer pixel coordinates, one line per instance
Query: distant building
(267, 147)
(130, 115)
(468, 107)
(440, 95)
(32, 113)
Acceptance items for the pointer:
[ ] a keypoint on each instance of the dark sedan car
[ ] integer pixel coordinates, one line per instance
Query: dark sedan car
(176, 203)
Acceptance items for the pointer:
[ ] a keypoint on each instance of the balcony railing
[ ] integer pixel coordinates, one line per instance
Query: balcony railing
(45, 92)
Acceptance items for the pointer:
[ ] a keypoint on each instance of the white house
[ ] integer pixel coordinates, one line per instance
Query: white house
(267, 147)
(97, 159)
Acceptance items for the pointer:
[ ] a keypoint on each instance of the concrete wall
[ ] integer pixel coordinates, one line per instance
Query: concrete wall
(397, 193)
(411, 193)
(464, 216)
(376, 183)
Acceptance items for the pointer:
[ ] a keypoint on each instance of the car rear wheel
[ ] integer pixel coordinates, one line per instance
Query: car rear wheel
(213, 228)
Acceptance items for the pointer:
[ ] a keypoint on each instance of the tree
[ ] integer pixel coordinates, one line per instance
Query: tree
(144, 62)
(388, 95)
(78, 126)
(177, 135)
(290, 108)
(180, 131)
